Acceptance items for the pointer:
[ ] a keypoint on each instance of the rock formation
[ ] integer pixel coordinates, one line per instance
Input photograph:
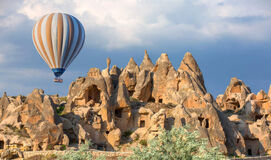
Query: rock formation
(145, 98)
(249, 114)
(235, 95)
(117, 108)
(33, 124)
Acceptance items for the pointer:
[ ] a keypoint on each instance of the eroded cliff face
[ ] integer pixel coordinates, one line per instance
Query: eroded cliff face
(30, 122)
(117, 108)
(250, 115)
(142, 100)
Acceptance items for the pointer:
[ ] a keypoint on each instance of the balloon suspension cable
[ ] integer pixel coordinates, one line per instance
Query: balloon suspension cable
(58, 80)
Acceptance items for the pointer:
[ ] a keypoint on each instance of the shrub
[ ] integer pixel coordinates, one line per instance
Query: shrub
(50, 147)
(102, 157)
(176, 144)
(59, 109)
(143, 142)
(63, 147)
(82, 154)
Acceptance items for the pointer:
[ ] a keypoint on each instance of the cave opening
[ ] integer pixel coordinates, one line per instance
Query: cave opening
(160, 100)
(249, 152)
(151, 99)
(238, 105)
(207, 123)
(131, 92)
(258, 117)
(93, 93)
(118, 113)
(183, 121)
(142, 123)
(200, 120)
(1, 144)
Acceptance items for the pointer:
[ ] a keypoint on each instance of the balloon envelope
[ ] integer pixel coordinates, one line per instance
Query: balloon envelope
(58, 38)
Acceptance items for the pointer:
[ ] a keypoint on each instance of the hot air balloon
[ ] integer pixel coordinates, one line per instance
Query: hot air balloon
(58, 38)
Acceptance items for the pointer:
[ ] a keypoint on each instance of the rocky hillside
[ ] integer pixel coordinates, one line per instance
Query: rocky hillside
(118, 108)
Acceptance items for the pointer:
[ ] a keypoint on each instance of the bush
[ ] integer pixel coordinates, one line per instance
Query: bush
(143, 142)
(60, 109)
(82, 154)
(63, 147)
(176, 144)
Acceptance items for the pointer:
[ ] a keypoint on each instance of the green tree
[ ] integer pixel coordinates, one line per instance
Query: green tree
(177, 144)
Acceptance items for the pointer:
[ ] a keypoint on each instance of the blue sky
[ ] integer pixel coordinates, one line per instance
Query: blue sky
(228, 38)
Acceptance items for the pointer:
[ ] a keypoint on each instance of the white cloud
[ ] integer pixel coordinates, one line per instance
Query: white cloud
(115, 24)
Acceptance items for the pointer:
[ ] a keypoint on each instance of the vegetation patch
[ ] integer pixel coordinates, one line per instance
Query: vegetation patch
(178, 143)
(143, 142)
(60, 109)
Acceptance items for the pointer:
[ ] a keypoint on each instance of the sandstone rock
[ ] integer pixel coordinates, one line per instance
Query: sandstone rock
(120, 99)
(190, 65)
(81, 133)
(11, 153)
(129, 74)
(107, 78)
(130, 105)
(91, 109)
(114, 137)
(269, 92)
(235, 142)
(219, 100)
(146, 64)
(235, 95)
(4, 102)
(115, 73)
(259, 133)
(257, 105)
(86, 89)
(162, 68)
(65, 140)
(35, 120)
(157, 121)
(39, 117)
(208, 121)
(185, 82)
(122, 107)
(262, 96)
(143, 89)
(19, 100)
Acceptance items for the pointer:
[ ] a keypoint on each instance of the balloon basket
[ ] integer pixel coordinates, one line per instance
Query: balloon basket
(58, 80)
